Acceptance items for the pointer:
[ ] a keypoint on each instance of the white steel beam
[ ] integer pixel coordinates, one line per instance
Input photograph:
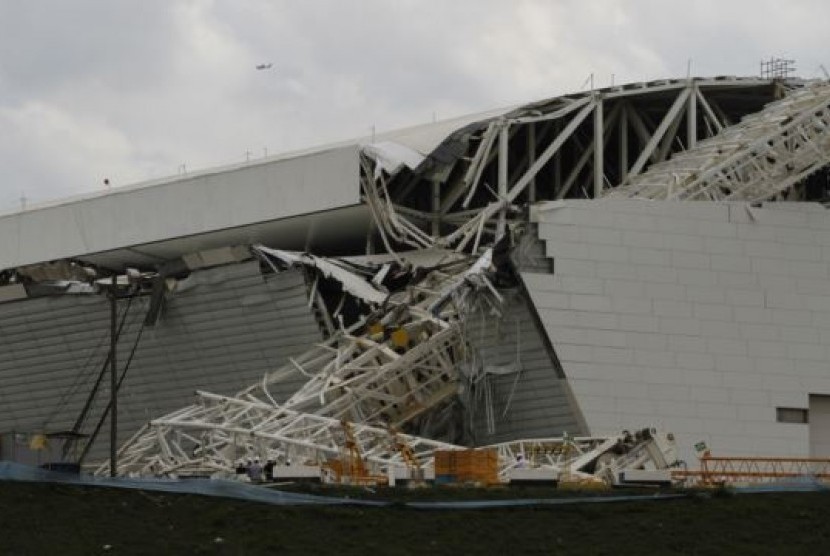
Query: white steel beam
(504, 150)
(531, 157)
(587, 152)
(670, 116)
(487, 212)
(759, 158)
(403, 364)
(709, 112)
(691, 117)
(599, 143)
(623, 142)
(557, 114)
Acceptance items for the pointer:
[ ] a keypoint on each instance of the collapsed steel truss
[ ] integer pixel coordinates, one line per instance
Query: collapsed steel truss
(473, 188)
(389, 368)
(400, 361)
(209, 437)
(359, 381)
(763, 156)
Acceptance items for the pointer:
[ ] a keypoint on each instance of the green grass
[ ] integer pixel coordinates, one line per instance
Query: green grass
(59, 519)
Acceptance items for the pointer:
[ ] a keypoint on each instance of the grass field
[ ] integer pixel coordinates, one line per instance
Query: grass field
(59, 519)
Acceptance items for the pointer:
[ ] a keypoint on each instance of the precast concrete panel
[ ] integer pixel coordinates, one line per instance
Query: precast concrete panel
(696, 317)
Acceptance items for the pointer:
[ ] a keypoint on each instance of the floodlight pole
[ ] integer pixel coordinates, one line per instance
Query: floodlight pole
(113, 381)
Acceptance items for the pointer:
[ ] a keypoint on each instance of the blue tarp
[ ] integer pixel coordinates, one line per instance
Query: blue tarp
(208, 487)
(802, 484)
(241, 491)
(535, 502)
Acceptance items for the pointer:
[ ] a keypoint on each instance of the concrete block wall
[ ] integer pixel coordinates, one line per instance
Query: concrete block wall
(696, 317)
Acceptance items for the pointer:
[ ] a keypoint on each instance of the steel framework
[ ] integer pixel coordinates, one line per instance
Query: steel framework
(358, 381)
(587, 144)
(359, 375)
(400, 362)
(207, 438)
(760, 158)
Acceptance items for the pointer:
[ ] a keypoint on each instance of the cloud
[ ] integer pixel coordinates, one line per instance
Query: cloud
(93, 89)
(51, 45)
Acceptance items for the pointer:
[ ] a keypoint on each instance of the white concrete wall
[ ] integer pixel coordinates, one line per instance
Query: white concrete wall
(699, 318)
(196, 204)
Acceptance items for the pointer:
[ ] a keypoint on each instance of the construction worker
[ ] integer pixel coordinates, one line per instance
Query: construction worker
(255, 471)
(241, 469)
(269, 470)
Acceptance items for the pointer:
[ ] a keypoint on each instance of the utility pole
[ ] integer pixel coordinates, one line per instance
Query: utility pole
(113, 380)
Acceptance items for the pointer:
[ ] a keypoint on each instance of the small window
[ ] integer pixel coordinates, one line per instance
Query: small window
(792, 415)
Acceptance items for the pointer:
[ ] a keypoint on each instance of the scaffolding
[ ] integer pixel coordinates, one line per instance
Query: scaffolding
(777, 68)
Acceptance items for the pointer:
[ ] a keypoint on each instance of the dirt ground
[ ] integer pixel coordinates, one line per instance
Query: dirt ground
(59, 519)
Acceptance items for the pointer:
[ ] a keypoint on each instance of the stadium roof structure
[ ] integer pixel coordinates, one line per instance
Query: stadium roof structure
(420, 185)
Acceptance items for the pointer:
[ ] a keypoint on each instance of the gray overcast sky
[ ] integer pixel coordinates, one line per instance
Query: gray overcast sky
(132, 90)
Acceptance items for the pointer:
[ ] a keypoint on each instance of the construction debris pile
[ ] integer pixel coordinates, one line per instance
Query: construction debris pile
(391, 370)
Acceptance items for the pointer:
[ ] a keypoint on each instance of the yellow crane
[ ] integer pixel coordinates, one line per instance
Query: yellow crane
(351, 468)
(400, 445)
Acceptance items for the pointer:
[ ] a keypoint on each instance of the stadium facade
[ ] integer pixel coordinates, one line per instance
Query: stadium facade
(661, 256)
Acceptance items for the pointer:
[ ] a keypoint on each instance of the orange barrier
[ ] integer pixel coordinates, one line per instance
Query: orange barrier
(463, 466)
